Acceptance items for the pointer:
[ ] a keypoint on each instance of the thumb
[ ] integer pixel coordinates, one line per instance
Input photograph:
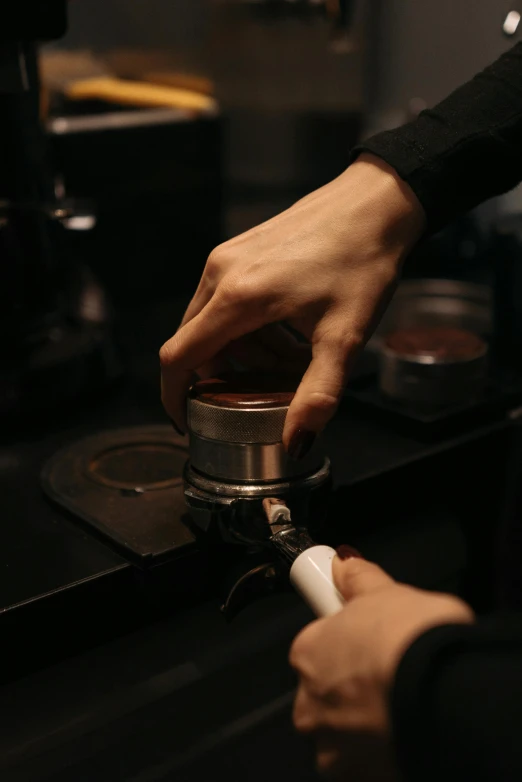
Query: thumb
(355, 577)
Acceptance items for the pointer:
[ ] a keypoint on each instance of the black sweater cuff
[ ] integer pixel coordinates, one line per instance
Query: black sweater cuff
(466, 149)
(456, 704)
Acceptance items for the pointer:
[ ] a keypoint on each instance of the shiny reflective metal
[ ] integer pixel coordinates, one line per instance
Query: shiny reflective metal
(428, 381)
(62, 126)
(237, 459)
(248, 462)
(243, 444)
(437, 302)
(425, 303)
(200, 485)
(235, 510)
(288, 540)
(236, 424)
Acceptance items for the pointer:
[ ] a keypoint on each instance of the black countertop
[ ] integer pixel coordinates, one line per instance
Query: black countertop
(44, 551)
(189, 698)
(120, 674)
(46, 556)
(117, 673)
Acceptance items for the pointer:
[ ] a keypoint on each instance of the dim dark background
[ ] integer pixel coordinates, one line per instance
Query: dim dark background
(115, 672)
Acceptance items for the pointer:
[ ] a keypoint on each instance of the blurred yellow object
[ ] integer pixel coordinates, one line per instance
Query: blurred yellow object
(184, 81)
(138, 93)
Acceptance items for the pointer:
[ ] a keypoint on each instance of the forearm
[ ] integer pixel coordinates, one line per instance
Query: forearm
(457, 704)
(466, 149)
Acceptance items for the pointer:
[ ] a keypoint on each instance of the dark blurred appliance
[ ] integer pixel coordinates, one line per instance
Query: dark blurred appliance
(338, 12)
(291, 98)
(53, 315)
(154, 178)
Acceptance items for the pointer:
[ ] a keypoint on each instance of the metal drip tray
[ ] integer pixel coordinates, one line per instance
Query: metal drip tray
(128, 485)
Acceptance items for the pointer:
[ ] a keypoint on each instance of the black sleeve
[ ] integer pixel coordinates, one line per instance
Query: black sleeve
(466, 149)
(456, 704)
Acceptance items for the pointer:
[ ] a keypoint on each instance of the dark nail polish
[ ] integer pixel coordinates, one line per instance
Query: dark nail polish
(176, 427)
(347, 552)
(300, 443)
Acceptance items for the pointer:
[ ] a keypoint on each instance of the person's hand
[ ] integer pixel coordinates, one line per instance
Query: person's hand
(327, 267)
(346, 665)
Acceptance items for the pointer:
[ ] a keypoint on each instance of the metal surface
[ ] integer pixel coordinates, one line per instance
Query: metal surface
(236, 434)
(62, 126)
(218, 489)
(234, 512)
(290, 542)
(432, 302)
(250, 461)
(126, 483)
(431, 383)
(236, 425)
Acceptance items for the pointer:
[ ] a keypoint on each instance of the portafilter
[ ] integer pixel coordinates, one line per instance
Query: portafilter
(241, 485)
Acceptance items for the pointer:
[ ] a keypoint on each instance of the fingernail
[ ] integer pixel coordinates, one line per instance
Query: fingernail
(176, 427)
(347, 552)
(300, 443)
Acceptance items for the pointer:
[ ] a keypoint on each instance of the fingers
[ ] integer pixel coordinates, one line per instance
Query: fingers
(195, 344)
(199, 300)
(303, 715)
(354, 577)
(210, 279)
(319, 392)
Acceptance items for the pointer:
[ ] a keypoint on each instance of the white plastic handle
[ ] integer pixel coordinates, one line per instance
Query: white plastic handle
(311, 576)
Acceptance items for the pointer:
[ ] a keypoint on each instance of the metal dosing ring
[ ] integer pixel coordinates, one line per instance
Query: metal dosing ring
(216, 488)
(236, 430)
(236, 425)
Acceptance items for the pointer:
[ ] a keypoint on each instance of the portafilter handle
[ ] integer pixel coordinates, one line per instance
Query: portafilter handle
(312, 578)
(311, 564)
